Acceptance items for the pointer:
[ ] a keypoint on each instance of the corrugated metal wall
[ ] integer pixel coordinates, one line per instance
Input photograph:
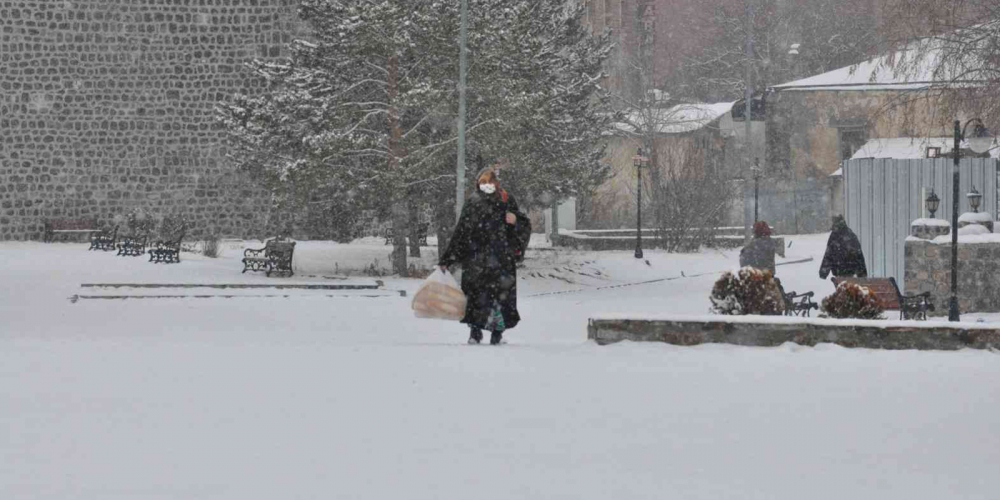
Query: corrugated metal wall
(883, 196)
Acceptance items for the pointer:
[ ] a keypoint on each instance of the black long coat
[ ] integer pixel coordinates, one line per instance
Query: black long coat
(488, 249)
(843, 255)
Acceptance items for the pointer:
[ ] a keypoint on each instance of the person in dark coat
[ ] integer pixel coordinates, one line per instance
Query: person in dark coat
(759, 253)
(490, 239)
(843, 255)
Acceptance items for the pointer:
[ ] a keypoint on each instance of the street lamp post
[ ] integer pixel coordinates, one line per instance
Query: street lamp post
(639, 161)
(979, 142)
(756, 170)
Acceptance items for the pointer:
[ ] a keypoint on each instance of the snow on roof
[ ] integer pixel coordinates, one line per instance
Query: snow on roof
(909, 147)
(676, 119)
(879, 73)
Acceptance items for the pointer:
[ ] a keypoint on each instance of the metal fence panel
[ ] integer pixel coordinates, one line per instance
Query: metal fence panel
(883, 196)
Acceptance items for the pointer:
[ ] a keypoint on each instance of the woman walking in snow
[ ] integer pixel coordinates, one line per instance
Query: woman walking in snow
(759, 253)
(843, 255)
(490, 238)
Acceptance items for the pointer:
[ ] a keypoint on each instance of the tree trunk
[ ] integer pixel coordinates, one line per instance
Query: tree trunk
(414, 229)
(400, 216)
(444, 220)
(554, 216)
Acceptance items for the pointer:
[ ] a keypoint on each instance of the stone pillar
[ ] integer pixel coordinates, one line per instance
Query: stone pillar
(982, 218)
(928, 229)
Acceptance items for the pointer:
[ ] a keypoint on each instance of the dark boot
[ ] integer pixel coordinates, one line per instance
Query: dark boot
(475, 336)
(496, 338)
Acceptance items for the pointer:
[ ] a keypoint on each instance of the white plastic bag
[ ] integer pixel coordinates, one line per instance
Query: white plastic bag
(439, 297)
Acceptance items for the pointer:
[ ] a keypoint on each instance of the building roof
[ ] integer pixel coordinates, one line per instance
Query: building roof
(908, 148)
(904, 148)
(880, 73)
(677, 119)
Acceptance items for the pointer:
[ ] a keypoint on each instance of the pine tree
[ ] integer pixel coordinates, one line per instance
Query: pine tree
(362, 114)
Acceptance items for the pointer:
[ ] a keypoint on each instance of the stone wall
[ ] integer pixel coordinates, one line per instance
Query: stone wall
(928, 269)
(773, 331)
(106, 105)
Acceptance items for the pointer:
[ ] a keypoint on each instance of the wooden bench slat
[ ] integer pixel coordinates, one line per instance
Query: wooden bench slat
(55, 226)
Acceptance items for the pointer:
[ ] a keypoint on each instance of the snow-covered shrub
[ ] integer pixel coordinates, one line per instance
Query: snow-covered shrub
(171, 226)
(750, 291)
(140, 221)
(853, 301)
(690, 197)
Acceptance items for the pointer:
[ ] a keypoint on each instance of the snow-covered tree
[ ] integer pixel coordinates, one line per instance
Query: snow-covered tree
(362, 113)
(956, 45)
(791, 39)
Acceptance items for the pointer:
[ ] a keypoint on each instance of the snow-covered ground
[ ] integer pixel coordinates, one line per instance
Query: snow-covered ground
(310, 396)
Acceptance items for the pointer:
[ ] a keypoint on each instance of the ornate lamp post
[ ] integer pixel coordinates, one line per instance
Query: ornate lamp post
(757, 172)
(639, 161)
(974, 199)
(979, 142)
(932, 203)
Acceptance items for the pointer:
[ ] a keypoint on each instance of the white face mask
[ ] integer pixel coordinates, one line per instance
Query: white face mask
(488, 188)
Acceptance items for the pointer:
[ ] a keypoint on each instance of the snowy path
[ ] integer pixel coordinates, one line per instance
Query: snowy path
(312, 397)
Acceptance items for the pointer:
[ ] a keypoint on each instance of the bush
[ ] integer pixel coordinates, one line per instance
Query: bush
(750, 291)
(140, 221)
(210, 247)
(171, 226)
(853, 301)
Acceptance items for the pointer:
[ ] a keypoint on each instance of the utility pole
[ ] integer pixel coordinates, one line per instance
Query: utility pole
(463, 66)
(747, 101)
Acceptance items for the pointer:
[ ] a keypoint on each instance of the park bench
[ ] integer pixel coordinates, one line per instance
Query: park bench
(133, 245)
(167, 251)
(797, 304)
(275, 257)
(68, 227)
(104, 240)
(910, 306)
(421, 234)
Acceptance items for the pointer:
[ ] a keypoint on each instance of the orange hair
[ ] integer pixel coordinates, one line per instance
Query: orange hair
(489, 176)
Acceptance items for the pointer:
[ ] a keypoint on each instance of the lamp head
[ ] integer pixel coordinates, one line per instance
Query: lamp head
(980, 141)
(932, 203)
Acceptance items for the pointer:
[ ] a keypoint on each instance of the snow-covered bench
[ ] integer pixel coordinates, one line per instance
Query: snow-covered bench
(104, 240)
(421, 234)
(275, 257)
(797, 304)
(167, 251)
(133, 245)
(910, 306)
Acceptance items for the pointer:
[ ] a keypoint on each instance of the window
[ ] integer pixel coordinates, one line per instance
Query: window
(933, 152)
(850, 140)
